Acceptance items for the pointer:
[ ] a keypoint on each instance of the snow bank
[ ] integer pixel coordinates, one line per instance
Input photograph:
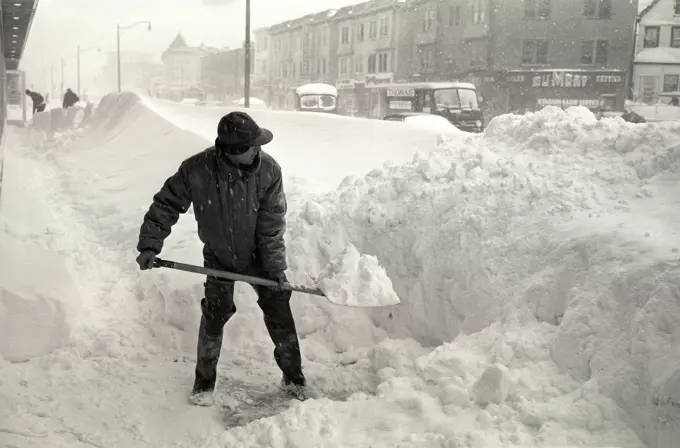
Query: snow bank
(534, 266)
(545, 225)
(38, 296)
(358, 280)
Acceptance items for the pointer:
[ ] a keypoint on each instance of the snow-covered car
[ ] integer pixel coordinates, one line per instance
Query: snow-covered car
(423, 120)
(427, 122)
(189, 101)
(255, 103)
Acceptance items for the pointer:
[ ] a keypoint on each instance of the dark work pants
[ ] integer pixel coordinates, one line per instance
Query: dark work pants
(217, 308)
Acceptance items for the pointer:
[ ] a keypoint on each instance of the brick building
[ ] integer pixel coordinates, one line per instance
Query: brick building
(521, 54)
(481, 40)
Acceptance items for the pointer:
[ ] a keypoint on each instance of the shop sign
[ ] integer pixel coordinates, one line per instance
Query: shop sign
(379, 79)
(400, 105)
(568, 102)
(567, 79)
(401, 91)
(345, 84)
(562, 79)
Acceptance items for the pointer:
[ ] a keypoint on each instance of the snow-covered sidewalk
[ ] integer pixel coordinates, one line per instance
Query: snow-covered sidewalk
(545, 249)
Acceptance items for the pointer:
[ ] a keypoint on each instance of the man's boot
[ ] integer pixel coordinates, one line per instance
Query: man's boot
(208, 354)
(296, 387)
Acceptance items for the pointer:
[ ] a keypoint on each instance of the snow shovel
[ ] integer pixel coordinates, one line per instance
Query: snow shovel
(158, 263)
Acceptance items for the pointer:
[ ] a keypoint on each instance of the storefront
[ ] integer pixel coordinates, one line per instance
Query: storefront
(531, 90)
(17, 106)
(361, 97)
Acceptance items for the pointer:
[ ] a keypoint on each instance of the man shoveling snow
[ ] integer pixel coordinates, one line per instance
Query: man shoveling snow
(240, 207)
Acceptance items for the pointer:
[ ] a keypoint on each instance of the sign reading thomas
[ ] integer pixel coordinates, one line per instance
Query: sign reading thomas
(599, 90)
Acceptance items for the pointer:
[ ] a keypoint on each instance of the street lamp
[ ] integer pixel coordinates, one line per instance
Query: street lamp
(246, 82)
(81, 50)
(118, 28)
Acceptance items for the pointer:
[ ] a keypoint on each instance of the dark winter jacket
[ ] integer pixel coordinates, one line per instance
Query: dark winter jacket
(70, 98)
(37, 100)
(241, 213)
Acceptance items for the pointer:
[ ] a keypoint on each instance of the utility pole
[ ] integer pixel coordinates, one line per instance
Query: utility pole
(118, 54)
(63, 64)
(52, 80)
(246, 82)
(78, 86)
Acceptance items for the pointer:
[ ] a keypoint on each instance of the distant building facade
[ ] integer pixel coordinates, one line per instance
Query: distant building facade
(657, 58)
(139, 72)
(223, 74)
(261, 86)
(182, 69)
(521, 54)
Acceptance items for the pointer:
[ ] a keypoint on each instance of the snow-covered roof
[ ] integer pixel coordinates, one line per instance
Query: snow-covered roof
(370, 6)
(649, 8)
(309, 19)
(661, 55)
(317, 89)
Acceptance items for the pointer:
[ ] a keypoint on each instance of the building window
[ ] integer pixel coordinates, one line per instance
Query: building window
(429, 19)
(536, 9)
(478, 13)
(384, 27)
(371, 64)
(454, 16)
(535, 52)
(671, 83)
(677, 8)
(344, 35)
(358, 65)
(651, 37)
(360, 32)
(675, 37)
(594, 52)
(344, 66)
(382, 63)
(598, 9)
(426, 59)
(373, 30)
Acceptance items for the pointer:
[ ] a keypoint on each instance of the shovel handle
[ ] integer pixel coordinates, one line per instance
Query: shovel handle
(259, 281)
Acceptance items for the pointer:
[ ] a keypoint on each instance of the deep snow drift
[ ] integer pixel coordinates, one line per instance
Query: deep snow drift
(547, 248)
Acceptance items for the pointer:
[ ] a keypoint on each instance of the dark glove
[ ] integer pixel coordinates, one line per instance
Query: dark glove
(281, 278)
(145, 259)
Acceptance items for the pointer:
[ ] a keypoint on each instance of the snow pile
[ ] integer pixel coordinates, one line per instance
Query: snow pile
(544, 225)
(354, 279)
(537, 292)
(38, 296)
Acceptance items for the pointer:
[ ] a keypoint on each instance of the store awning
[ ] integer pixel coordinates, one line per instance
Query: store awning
(17, 17)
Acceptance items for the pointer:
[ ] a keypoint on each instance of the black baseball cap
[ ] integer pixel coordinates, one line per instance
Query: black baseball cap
(237, 131)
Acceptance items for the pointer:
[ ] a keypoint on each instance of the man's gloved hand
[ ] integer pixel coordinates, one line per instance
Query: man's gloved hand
(281, 278)
(145, 259)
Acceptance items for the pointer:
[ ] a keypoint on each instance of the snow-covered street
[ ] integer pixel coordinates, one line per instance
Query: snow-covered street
(537, 267)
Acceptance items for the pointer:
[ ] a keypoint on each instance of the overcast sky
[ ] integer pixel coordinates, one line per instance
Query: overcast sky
(61, 25)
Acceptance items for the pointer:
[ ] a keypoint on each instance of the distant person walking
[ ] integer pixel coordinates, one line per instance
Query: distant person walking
(39, 103)
(70, 99)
